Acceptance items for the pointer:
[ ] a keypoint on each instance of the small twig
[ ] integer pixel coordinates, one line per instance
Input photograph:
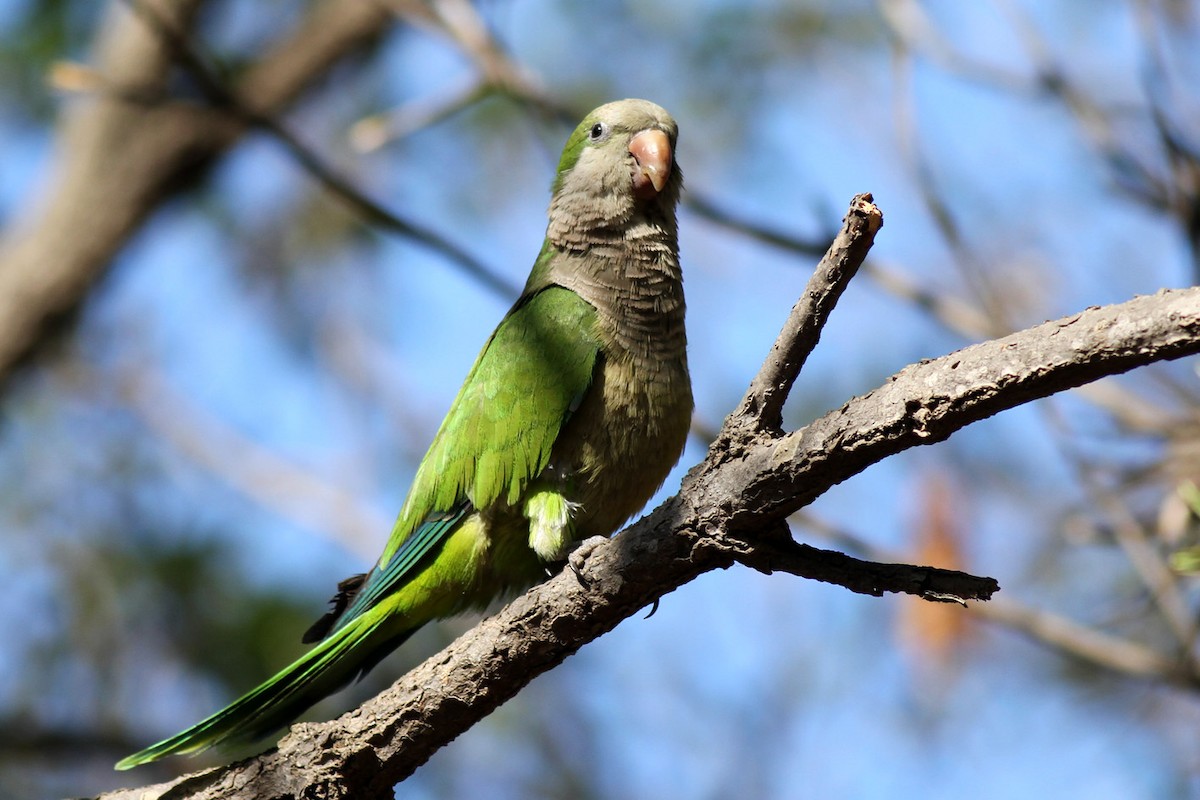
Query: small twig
(875, 578)
(761, 410)
(1069, 637)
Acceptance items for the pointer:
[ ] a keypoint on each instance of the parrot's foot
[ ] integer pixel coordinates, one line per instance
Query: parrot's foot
(579, 555)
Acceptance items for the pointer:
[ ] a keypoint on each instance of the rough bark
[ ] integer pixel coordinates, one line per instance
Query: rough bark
(731, 509)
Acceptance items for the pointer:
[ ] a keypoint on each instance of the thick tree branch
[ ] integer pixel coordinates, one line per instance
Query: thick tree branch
(730, 509)
(926, 402)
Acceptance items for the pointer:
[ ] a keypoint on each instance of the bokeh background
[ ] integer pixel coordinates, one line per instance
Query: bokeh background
(225, 427)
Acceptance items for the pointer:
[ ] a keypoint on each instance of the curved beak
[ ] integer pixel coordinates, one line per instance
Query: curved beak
(652, 150)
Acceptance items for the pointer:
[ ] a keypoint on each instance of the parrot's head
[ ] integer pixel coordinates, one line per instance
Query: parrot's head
(619, 164)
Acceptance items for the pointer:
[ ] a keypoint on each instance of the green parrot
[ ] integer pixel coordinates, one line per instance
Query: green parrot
(572, 416)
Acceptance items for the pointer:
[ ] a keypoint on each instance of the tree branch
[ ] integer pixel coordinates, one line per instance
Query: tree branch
(761, 410)
(730, 509)
(371, 211)
(1068, 637)
(121, 158)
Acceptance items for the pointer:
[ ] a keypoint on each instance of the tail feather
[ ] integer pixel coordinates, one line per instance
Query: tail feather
(330, 665)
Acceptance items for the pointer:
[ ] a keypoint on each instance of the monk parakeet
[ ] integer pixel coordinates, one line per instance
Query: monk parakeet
(570, 419)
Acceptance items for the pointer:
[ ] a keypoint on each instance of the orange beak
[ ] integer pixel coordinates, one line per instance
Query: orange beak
(652, 150)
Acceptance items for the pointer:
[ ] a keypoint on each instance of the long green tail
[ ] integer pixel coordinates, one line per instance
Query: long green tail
(346, 654)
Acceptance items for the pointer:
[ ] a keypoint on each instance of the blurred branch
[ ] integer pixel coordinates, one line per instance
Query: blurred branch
(1136, 173)
(120, 158)
(912, 27)
(951, 312)
(1071, 638)
(706, 208)
(941, 211)
(286, 489)
(1088, 644)
(27, 740)
(343, 188)
(1131, 411)
(373, 132)
(461, 22)
(1150, 567)
(731, 508)
(1183, 156)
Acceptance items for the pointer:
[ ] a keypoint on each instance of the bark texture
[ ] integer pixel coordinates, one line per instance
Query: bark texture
(731, 509)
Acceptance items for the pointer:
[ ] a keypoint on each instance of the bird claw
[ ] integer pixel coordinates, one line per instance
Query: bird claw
(579, 555)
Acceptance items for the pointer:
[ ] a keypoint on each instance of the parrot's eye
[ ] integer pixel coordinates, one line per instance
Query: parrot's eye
(598, 131)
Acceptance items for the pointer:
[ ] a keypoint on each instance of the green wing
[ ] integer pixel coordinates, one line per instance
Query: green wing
(530, 376)
(498, 435)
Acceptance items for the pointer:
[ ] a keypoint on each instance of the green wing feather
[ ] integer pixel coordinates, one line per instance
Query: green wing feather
(276, 702)
(497, 438)
(530, 376)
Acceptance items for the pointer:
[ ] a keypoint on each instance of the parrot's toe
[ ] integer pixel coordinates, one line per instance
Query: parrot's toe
(579, 555)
